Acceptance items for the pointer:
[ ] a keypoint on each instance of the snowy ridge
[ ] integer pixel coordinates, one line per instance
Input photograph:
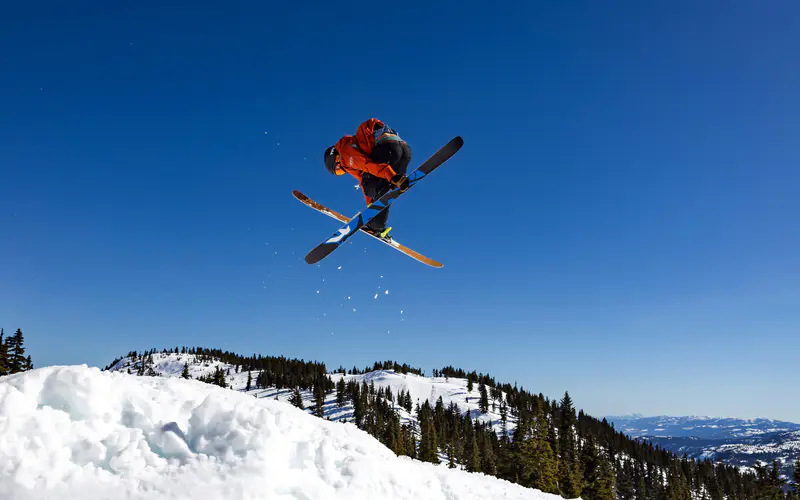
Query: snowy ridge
(421, 388)
(76, 432)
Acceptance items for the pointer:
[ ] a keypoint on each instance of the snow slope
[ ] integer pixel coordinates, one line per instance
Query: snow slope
(76, 432)
(421, 388)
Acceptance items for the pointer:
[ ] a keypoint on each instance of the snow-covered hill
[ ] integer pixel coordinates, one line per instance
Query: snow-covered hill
(81, 433)
(735, 441)
(451, 390)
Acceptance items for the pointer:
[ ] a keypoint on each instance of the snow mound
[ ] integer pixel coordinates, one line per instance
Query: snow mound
(74, 432)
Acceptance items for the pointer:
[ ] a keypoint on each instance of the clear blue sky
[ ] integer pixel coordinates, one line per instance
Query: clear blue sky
(622, 221)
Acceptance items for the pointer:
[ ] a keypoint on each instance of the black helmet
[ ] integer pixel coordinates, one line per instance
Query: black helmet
(331, 156)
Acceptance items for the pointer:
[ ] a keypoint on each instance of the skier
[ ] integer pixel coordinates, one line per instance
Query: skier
(378, 158)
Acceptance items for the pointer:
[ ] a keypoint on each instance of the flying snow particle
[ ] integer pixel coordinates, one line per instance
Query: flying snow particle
(317, 291)
(386, 292)
(339, 267)
(376, 296)
(354, 309)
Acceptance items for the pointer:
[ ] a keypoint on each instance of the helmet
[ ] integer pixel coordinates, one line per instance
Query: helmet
(331, 161)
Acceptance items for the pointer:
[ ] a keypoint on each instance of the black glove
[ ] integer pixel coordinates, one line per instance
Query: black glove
(400, 181)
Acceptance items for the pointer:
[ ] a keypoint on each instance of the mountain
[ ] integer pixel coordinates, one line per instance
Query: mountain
(74, 432)
(144, 432)
(451, 390)
(740, 442)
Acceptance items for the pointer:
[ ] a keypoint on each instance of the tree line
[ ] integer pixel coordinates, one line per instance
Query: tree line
(12, 354)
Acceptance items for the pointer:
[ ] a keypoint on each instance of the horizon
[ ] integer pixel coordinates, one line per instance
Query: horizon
(618, 223)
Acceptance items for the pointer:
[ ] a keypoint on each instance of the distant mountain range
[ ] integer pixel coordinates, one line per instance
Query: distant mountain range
(735, 441)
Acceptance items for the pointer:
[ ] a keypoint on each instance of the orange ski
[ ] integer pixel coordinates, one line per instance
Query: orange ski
(341, 218)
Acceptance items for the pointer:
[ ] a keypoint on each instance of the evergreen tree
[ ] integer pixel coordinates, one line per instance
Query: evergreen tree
(16, 353)
(340, 393)
(503, 422)
(486, 448)
(4, 368)
(249, 385)
(319, 401)
(625, 485)
(547, 467)
(451, 456)
(483, 403)
(469, 386)
(185, 373)
(296, 398)
(797, 477)
(219, 377)
(776, 482)
(29, 363)
(598, 477)
(470, 457)
(570, 476)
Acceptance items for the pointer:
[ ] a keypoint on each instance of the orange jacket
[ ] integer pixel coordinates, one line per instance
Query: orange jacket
(355, 151)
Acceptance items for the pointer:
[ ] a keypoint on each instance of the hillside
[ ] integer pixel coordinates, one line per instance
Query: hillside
(468, 421)
(450, 390)
(81, 433)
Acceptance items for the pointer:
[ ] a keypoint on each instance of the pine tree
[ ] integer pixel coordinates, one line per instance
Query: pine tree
(451, 456)
(503, 422)
(296, 399)
(546, 464)
(598, 476)
(470, 457)
(219, 377)
(29, 363)
(625, 484)
(483, 404)
(16, 352)
(319, 401)
(249, 385)
(340, 393)
(185, 373)
(570, 476)
(776, 482)
(19, 357)
(486, 449)
(4, 368)
(797, 477)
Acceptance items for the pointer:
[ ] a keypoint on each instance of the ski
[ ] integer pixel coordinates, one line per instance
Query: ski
(377, 206)
(342, 218)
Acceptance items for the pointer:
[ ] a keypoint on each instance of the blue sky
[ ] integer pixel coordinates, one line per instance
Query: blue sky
(621, 222)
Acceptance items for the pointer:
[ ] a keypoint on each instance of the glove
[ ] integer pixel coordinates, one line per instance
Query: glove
(400, 181)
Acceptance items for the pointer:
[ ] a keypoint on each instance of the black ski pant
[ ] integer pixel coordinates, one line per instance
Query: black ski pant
(398, 155)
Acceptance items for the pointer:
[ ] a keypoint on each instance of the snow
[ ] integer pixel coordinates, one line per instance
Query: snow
(421, 388)
(75, 432)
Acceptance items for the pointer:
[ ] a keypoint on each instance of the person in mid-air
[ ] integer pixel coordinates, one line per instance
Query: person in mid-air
(378, 158)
